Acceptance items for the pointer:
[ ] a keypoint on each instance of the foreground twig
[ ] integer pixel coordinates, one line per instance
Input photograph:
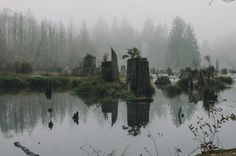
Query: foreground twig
(194, 151)
(25, 149)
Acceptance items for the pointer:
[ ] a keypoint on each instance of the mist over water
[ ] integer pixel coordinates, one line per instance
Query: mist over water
(117, 77)
(86, 28)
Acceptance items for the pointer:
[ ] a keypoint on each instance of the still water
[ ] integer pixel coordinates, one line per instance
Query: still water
(110, 126)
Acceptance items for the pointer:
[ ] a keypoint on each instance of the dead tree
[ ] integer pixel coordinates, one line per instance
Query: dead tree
(110, 72)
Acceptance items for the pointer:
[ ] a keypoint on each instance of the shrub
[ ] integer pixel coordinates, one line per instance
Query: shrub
(26, 68)
(183, 83)
(9, 82)
(96, 86)
(216, 85)
(38, 82)
(228, 80)
(172, 90)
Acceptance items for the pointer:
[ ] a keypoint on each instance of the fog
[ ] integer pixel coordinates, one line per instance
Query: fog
(209, 21)
(213, 24)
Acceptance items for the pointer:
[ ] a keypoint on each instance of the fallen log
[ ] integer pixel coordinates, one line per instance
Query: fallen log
(25, 149)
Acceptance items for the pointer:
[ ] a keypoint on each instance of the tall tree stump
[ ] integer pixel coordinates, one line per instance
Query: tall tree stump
(107, 74)
(110, 71)
(114, 62)
(138, 78)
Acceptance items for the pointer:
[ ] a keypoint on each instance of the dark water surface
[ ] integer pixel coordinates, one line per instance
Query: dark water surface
(108, 126)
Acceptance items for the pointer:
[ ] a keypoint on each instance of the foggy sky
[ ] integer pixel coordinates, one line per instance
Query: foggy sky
(209, 22)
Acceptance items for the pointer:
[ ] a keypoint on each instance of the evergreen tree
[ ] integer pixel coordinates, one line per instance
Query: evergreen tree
(183, 48)
(191, 51)
(85, 44)
(176, 39)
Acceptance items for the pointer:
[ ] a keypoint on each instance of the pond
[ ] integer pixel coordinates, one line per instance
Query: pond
(47, 127)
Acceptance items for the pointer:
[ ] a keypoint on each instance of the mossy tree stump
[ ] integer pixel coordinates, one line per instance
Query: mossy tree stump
(138, 77)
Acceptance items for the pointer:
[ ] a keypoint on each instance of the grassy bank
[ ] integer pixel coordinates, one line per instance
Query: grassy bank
(95, 86)
(86, 86)
(34, 82)
(215, 84)
(226, 80)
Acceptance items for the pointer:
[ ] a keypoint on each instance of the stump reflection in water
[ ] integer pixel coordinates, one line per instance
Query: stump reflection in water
(137, 116)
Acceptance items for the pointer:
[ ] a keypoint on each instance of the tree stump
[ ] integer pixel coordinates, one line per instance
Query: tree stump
(89, 65)
(110, 72)
(138, 78)
(107, 74)
(114, 62)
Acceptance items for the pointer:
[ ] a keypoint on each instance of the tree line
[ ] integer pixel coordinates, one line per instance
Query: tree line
(49, 45)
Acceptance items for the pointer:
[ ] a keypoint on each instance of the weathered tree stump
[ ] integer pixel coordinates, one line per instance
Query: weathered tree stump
(110, 72)
(89, 65)
(138, 78)
(107, 71)
(114, 62)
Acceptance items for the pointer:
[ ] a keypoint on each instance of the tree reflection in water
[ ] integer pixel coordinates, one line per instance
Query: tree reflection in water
(23, 112)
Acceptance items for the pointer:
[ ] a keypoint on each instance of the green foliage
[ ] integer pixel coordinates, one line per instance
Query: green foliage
(205, 78)
(172, 90)
(216, 85)
(96, 86)
(59, 70)
(23, 68)
(26, 68)
(183, 82)
(33, 82)
(133, 53)
(10, 82)
(39, 82)
(227, 80)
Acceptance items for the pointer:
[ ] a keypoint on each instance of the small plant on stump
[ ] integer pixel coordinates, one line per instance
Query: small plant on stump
(132, 53)
(105, 57)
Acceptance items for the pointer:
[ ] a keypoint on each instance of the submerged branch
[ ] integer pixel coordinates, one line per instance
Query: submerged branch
(25, 149)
